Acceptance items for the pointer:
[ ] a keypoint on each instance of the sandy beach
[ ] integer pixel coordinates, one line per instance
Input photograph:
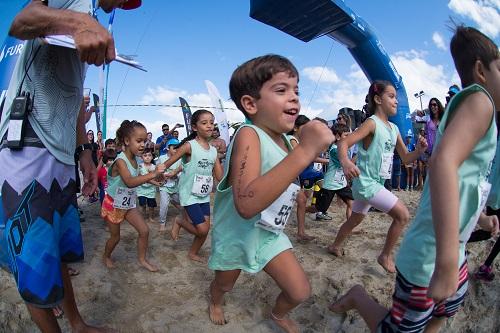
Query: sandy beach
(131, 299)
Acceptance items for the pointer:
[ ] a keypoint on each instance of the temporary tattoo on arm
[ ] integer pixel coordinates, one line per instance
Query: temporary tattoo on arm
(243, 164)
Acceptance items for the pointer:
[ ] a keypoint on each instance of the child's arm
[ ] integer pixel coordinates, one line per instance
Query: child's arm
(131, 181)
(464, 130)
(350, 169)
(185, 149)
(218, 170)
(321, 160)
(254, 192)
(406, 156)
(173, 173)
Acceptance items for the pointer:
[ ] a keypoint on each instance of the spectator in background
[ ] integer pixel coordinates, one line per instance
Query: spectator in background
(95, 146)
(436, 112)
(452, 91)
(161, 141)
(110, 144)
(149, 144)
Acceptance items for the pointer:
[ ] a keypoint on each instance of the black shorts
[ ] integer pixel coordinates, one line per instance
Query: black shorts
(325, 197)
(143, 201)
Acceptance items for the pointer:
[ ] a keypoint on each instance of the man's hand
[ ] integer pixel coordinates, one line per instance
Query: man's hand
(93, 42)
(89, 173)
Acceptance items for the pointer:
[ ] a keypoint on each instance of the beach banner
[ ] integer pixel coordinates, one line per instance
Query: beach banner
(97, 112)
(186, 113)
(220, 115)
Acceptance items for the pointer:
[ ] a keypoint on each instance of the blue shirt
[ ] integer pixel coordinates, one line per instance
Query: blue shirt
(163, 146)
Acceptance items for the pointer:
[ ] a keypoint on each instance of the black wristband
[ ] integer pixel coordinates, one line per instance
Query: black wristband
(81, 148)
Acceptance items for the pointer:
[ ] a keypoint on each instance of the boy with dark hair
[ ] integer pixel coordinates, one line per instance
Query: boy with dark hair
(255, 197)
(432, 274)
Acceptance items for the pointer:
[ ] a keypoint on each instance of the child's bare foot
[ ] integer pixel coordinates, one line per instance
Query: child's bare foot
(151, 220)
(174, 232)
(196, 257)
(108, 262)
(150, 267)
(305, 237)
(335, 251)
(216, 314)
(346, 302)
(163, 227)
(287, 324)
(387, 263)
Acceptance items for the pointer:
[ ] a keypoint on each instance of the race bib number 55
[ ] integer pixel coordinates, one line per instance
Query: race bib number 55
(275, 217)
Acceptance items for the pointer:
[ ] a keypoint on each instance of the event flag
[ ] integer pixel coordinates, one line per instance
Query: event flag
(186, 113)
(220, 115)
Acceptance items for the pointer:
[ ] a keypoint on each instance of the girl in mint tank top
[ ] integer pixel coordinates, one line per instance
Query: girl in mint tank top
(376, 138)
(256, 196)
(199, 165)
(120, 201)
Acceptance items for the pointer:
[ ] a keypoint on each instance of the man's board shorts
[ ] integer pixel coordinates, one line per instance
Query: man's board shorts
(111, 214)
(41, 222)
(412, 309)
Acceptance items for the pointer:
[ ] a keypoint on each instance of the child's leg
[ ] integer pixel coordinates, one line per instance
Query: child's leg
(222, 283)
(164, 202)
(301, 217)
(400, 218)
(409, 180)
(348, 208)
(199, 240)
(357, 298)
(114, 238)
(359, 211)
(288, 274)
(345, 230)
(410, 177)
(136, 220)
(434, 324)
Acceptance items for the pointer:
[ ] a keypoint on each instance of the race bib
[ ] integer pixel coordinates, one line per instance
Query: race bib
(170, 182)
(318, 167)
(125, 198)
(386, 166)
(202, 185)
(339, 177)
(275, 217)
(484, 191)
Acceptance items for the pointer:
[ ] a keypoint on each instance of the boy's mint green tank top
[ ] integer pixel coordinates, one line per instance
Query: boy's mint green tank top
(417, 253)
(202, 163)
(236, 242)
(146, 190)
(331, 181)
(369, 160)
(494, 198)
(115, 182)
(170, 186)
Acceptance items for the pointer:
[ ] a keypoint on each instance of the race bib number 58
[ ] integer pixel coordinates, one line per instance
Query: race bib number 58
(202, 185)
(275, 217)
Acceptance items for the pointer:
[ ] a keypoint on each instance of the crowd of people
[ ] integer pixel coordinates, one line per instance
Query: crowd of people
(454, 155)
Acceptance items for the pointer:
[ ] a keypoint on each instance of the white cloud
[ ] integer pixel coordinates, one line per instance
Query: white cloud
(321, 74)
(172, 114)
(485, 13)
(419, 75)
(438, 41)
(336, 94)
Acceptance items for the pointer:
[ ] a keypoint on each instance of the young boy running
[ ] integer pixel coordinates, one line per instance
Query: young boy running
(432, 268)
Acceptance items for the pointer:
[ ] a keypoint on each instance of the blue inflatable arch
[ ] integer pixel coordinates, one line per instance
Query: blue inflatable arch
(309, 19)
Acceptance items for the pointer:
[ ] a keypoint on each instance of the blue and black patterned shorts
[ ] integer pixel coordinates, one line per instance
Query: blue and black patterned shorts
(39, 222)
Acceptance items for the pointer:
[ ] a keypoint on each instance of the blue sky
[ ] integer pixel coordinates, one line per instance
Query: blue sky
(183, 43)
